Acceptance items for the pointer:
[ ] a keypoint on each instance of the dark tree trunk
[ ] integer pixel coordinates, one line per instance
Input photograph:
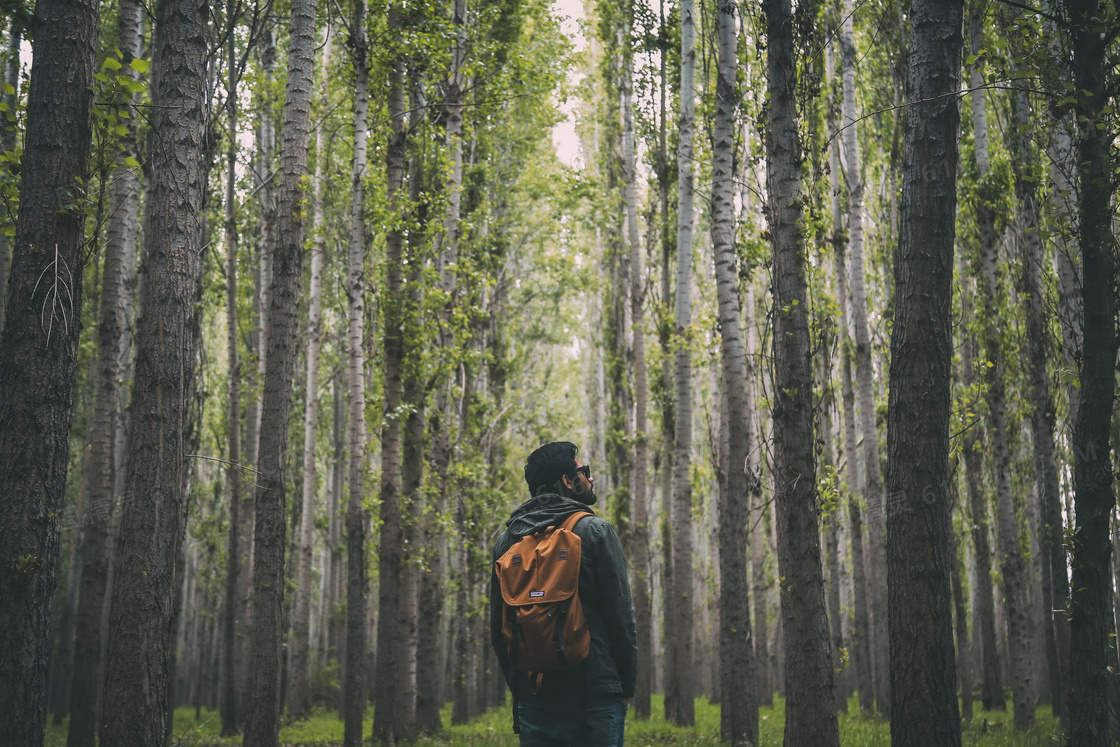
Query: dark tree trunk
(924, 707)
(810, 706)
(738, 708)
(140, 653)
(263, 727)
(357, 521)
(388, 726)
(38, 354)
(1090, 604)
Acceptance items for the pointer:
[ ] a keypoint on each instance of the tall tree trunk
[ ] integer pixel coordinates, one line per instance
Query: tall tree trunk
(763, 695)
(738, 709)
(1090, 623)
(38, 353)
(865, 375)
(120, 241)
(414, 401)
(919, 513)
(810, 705)
(8, 144)
(354, 692)
(1012, 565)
(680, 669)
(299, 702)
(391, 661)
(265, 185)
(640, 537)
(233, 625)
(146, 580)
(357, 521)
(861, 627)
(263, 728)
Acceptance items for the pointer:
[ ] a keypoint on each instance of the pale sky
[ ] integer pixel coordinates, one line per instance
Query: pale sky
(564, 134)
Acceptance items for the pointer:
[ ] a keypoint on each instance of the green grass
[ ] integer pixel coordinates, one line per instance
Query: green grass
(987, 729)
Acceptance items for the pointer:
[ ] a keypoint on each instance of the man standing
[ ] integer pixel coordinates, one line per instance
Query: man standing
(585, 705)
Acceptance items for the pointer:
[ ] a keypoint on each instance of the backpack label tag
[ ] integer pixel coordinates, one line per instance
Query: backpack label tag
(535, 594)
(563, 554)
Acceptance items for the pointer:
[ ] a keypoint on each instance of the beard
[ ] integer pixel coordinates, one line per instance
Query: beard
(586, 497)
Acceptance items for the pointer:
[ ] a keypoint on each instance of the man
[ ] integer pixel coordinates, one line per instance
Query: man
(586, 705)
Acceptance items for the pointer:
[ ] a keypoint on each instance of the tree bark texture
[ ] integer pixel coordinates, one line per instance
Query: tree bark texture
(1090, 619)
(872, 484)
(38, 353)
(299, 703)
(263, 727)
(641, 567)
(680, 669)
(919, 547)
(810, 704)
(391, 661)
(738, 709)
(861, 626)
(120, 240)
(147, 581)
(357, 520)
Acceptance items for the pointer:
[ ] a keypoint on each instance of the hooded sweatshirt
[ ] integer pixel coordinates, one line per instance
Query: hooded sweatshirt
(611, 667)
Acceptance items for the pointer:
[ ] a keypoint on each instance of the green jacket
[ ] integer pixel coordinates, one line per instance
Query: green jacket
(611, 668)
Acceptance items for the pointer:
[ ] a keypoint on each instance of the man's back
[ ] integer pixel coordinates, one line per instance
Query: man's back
(607, 677)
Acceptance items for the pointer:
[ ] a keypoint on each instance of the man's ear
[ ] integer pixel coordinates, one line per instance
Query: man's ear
(566, 481)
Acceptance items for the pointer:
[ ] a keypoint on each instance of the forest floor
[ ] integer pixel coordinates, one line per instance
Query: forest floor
(987, 729)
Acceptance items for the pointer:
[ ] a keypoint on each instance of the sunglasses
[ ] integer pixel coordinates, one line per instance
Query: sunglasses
(584, 470)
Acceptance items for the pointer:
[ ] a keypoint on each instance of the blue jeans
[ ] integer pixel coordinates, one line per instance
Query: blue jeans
(600, 724)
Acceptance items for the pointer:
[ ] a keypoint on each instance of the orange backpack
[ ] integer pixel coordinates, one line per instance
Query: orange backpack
(543, 625)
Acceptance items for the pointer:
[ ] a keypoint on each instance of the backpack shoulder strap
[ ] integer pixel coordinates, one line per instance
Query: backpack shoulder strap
(573, 519)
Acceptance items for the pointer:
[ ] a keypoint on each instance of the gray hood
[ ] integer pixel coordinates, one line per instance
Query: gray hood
(542, 511)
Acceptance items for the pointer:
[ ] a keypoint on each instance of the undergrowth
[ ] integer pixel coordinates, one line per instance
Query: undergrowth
(987, 729)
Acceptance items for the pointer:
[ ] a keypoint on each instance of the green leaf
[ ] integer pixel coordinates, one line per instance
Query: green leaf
(131, 162)
(101, 77)
(139, 65)
(120, 131)
(111, 64)
(9, 89)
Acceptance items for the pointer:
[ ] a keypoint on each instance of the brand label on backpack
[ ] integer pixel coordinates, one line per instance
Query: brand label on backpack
(535, 594)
